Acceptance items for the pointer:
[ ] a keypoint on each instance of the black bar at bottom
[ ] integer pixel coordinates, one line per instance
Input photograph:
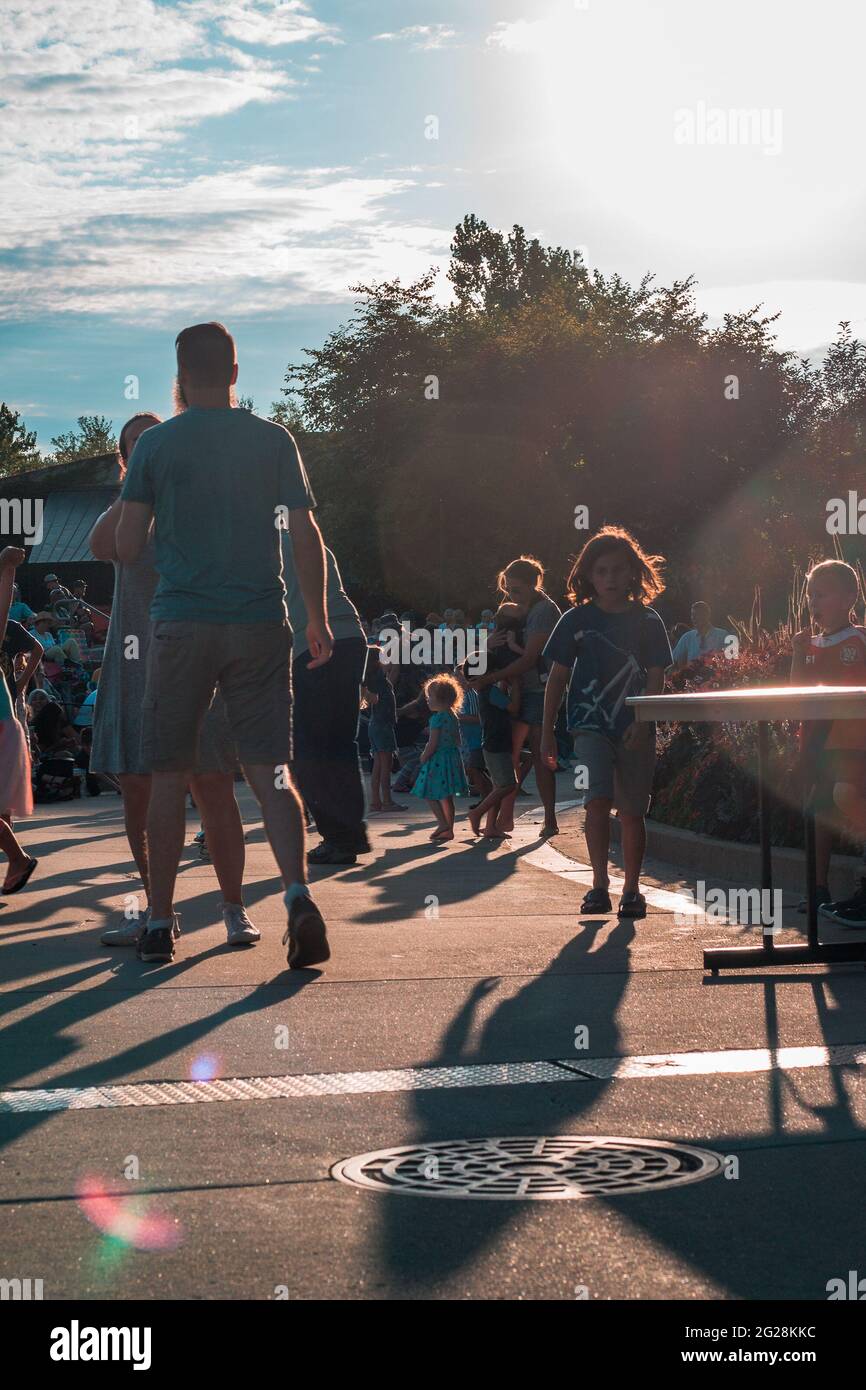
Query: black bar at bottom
(741, 957)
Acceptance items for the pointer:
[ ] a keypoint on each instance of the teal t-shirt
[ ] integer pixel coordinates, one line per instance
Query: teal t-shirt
(217, 481)
(342, 614)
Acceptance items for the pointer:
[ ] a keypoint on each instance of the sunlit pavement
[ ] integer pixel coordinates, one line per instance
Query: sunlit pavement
(467, 956)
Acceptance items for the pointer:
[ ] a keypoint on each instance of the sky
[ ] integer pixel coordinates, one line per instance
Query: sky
(168, 161)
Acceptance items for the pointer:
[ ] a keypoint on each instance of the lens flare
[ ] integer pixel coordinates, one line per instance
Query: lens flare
(126, 1220)
(206, 1067)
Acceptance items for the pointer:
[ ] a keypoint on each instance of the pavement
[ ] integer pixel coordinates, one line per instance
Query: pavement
(170, 1131)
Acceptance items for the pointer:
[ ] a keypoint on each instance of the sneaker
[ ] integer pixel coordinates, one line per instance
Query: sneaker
(331, 854)
(305, 935)
(156, 943)
(848, 912)
(823, 896)
(127, 934)
(239, 929)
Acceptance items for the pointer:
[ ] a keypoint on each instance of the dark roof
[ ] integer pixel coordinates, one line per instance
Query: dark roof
(97, 472)
(67, 519)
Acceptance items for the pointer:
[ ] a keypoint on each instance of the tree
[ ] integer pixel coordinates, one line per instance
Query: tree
(246, 403)
(443, 440)
(18, 450)
(93, 437)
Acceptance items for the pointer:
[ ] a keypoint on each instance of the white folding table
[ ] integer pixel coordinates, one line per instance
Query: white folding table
(806, 703)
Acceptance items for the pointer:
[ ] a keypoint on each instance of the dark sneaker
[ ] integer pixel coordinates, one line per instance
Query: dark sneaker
(632, 905)
(157, 942)
(823, 895)
(331, 854)
(305, 935)
(848, 912)
(596, 900)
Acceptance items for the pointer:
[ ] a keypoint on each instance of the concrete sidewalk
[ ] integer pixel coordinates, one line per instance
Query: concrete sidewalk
(467, 956)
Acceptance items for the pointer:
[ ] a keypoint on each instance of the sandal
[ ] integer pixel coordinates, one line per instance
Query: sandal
(632, 905)
(596, 900)
(19, 879)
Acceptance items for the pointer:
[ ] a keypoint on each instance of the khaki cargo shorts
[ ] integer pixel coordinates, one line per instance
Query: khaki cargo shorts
(621, 775)
(250, 663)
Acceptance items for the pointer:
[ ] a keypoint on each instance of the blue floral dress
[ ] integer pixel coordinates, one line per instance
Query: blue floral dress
(443, 775)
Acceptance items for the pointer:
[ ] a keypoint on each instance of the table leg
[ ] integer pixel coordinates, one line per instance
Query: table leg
(764, 829)
(811, 871)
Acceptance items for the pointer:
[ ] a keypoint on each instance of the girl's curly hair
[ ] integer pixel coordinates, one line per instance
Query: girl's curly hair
(445, 689)
(647, 582)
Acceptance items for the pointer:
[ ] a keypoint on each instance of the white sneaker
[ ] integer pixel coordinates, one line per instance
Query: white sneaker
(239, 929)
(128, 933)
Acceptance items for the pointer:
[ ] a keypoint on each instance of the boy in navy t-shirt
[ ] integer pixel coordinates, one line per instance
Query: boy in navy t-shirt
(609, 646)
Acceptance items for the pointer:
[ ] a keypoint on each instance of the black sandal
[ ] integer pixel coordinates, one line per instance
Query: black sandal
(632, 905)
(596, 900)
(6, 892)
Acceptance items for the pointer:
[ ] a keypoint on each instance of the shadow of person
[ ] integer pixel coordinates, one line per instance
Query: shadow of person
(425, 1241)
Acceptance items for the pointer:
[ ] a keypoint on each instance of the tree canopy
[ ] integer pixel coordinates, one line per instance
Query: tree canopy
(93, 436)
(18, 450)
(444, 438)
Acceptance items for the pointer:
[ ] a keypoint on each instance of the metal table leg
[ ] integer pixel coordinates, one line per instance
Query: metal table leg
(812, 953)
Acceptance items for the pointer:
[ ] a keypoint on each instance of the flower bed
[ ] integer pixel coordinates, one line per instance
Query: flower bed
(706, 777)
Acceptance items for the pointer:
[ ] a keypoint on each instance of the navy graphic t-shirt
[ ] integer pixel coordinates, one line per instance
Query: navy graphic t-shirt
(609, 654)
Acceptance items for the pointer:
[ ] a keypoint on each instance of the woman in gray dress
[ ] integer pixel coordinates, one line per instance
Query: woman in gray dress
(117, 745)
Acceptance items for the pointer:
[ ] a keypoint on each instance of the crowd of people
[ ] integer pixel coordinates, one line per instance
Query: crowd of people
(234, 649)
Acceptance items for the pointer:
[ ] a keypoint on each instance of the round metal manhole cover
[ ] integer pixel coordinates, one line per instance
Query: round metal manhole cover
(530, 1168)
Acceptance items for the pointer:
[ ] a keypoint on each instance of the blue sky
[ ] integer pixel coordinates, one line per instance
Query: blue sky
(165, 161)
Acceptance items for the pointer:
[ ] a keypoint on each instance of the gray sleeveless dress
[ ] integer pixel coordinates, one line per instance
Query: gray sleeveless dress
(117, 720)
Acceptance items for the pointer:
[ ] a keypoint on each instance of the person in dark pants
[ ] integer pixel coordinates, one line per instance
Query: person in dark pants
(327, 703)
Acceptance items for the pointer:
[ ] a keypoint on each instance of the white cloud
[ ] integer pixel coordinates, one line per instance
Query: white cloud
(252, 239)
(77, 78)
(107, 210)
(268, 22)
(522, 35)
(421, 35)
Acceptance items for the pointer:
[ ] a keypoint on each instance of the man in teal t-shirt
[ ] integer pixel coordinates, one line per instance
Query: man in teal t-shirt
(220, 484)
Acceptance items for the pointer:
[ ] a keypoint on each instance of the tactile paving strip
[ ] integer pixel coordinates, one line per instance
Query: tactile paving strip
(577, 1068)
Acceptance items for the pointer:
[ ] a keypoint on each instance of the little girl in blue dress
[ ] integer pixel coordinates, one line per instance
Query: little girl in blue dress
(442, 776)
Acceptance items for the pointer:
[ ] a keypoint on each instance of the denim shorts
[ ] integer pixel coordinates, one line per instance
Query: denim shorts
(621, 775)
(383, 737)
(531, 707)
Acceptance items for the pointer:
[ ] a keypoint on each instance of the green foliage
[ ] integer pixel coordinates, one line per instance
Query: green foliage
(542, 386)
(92, 437)
(18, 450)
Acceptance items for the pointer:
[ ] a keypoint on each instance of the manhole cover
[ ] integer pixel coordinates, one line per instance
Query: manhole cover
(530, 1168)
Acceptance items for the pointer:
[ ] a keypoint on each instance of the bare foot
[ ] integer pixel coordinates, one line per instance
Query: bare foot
(474, 822)
(442, 835)
(548, 830)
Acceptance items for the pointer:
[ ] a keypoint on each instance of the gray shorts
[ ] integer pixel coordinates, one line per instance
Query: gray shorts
(473, 758)
(613, 773)
(251, 665)
(501, 769)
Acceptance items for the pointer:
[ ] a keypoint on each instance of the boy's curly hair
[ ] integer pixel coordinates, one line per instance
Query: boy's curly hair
(445, 689)
(647, 582)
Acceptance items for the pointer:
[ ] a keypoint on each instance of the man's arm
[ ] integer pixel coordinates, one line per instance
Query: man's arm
(131, 535)
(309, 554)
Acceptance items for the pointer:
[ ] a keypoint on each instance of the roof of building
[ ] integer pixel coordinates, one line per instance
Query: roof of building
(97, 472)
(67, 520)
